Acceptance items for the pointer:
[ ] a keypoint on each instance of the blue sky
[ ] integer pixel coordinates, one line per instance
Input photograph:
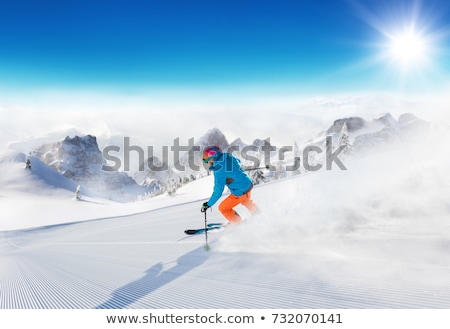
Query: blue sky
(108, 66)
(318, 45)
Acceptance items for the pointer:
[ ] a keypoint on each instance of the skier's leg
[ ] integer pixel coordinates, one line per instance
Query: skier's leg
(226, 208)
(248, 203)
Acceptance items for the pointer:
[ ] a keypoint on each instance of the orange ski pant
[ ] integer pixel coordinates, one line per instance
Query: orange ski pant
(227, 205)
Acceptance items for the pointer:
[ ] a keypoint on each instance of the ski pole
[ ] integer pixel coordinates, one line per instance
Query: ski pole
(206, 233)
(257, 168)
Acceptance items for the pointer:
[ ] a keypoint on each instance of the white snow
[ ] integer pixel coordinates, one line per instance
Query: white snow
(374, 236)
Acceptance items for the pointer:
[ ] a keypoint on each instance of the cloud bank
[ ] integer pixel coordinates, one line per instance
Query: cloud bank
(158, 118)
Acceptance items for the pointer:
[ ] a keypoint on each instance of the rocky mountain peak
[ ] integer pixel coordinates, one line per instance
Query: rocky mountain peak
(353, 124)
(73, 157)
(387, 120)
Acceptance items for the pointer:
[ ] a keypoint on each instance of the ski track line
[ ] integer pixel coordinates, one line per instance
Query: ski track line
(351, 292)
(42, 285)
(35, 288)
(251, 293)
(45, 279)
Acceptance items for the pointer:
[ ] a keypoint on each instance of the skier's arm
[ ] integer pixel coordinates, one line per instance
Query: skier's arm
(219, 186)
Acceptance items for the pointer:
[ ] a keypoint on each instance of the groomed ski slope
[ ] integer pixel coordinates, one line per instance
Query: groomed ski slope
(333, 239)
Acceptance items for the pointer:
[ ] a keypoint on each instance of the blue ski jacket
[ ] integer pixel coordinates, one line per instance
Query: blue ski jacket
(228, 172)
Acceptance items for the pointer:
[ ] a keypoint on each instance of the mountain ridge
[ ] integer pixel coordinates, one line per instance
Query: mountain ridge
(80, 159)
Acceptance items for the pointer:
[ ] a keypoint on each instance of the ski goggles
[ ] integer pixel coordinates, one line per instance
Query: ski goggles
(208, 159)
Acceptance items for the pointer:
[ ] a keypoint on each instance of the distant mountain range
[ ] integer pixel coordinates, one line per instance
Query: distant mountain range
(79, 159)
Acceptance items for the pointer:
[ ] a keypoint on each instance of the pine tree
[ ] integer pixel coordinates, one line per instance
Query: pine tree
(28, 162)
(258, 177)
(78, 193)
(344, 139)
(297, 155)
(280, 170)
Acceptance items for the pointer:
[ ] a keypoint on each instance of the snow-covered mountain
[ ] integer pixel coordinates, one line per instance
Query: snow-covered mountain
(160, 176)
(394, 133)
(374, 135)
(80, 160)
(189, 166)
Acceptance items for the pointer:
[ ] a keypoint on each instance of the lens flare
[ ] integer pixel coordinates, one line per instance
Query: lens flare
(408, 48)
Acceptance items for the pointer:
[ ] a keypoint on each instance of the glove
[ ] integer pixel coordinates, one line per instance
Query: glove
(204, 207)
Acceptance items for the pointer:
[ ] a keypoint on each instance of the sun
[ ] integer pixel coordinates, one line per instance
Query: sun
(408, 48)
(406, 45)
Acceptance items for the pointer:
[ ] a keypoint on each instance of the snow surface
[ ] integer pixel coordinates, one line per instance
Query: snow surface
(374, 236)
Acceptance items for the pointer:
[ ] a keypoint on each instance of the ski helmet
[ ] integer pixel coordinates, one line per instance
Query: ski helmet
(211, 152)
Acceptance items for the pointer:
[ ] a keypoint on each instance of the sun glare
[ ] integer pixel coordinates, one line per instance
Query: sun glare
(408, 48)
(409, 41)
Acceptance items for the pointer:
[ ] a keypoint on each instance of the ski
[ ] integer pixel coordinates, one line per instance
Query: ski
(216, 224)
(210, 227)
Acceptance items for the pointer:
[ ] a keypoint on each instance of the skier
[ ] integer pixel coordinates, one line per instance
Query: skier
(228, 171)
